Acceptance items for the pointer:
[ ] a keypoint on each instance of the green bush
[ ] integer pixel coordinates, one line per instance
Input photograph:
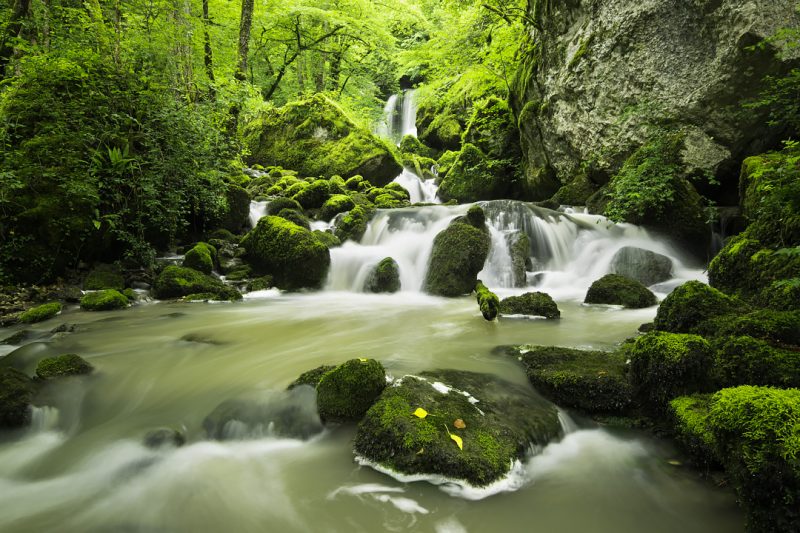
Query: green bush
(346, 392)
(614, 289)
(40, 313)
(104, 277)
(105, 300)
(64, 365)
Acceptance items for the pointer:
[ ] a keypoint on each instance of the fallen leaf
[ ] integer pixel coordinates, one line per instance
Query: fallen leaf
(362, 359)
(420, 412)
(421, 451)
(458, 441)
(459, 424)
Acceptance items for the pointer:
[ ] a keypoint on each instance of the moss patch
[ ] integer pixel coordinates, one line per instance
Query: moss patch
(458, 254)
(385, 277)
(107, 300)
(62, 366)
(40, 313)
(532, 304)
(346, 392)
(618, 290)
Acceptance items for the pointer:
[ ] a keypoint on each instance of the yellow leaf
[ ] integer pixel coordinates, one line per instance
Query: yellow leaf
(458, 441)
(362, 359)
(459, 424)
(420, 412)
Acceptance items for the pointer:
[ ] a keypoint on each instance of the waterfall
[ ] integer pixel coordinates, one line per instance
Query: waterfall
(399, 120)
(257, 210)
(566, 252)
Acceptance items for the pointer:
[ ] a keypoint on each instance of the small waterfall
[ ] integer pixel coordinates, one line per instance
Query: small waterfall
(409, 122)
(390, 124)
(420, 191)
(257, 210)
(44, 418)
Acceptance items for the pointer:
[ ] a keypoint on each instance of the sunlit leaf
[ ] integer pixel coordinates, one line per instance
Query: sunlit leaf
(420, 412)
(459, 424)
(458, 441)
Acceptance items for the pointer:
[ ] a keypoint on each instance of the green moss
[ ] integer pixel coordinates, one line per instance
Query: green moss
(385, 277)
(106, 300)
(338, 203)
(40, 313)
(667, 365)
(104, 277)
(576, 192)
(311, 377)
(353, 225)
(292, 255)
(293, 190)
(16, 392)
(177, 282)
(412, 145)
(473, 177)
(776, 327)
(346, 392)
(744, 360)
(757, 435)
(62, 366)
(237, 208)
(260, 284)
(618, 290)
(458, 254)
(493, 129)
(592, 381)
(201, 257)
(689, 416)
(296, 217)
(445, 163)
(222, 234)
(519, 248)
(488, 301)
(130, 294)
(279, 204)
(314, 195)
(532, 304)
(688, 307)
(354, 183)
(327, 238)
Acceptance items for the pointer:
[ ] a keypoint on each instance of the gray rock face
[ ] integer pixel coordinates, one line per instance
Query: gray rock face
(611, 69)
(644, 266)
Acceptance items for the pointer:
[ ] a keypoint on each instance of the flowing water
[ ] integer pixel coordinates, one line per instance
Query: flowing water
(82, 465)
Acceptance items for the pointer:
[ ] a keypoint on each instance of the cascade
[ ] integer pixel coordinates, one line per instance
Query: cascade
(399, 120)
(257, 210)
(566, 253)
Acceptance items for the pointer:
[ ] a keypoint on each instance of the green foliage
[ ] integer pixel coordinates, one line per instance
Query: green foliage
(105, 300)
(346, 392)
(532, 304)
(40, 313)
(618, 290)
(488, 301)
(104, 277)
(62, 366)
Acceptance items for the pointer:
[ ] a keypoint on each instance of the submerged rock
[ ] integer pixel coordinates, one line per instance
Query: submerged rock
(311, 377)
(346, 392)
(62, 366)
(613, 289)
(385, 277)
(163, 438)
(531, 304)
(644, 266)
(16, 393)
(500, 420)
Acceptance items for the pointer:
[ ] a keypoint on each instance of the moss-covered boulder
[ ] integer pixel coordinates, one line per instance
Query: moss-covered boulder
(754, 432)
(316, 137)
(200, 257)
(292, 255)
(667, 365)
(687, 307)
(106, 300)
(614, 289)
(237, 208)
(296, 217)
(494, 421)
(338, 203)
(744, 360)
(40, 313)
(458, 254)
(530, 304)
(689, 418)
(353, 225)
(385, 277)
(644, 266)
(593, 381)
(776, 327)
(346, 392)
(412, 145)
(16, 393)
(177, 282)
(488, 302)
(473, 177)
(328, 238)
(104, 277)
(314, 195)
(62, 366)
(519, 249)
(279, 204)
(311, 377)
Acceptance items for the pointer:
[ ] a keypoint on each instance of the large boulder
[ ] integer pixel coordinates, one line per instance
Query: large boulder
(461, 425)
(614, 289)
(177, 282)
(346, 392)
(200, 257)
(316, 137)
(530, 304)
(644, 266)
(385, 277)
(292, 255)
(458, 254)
(474, 176)
(605, 72)
(687, 308)
(105, 300)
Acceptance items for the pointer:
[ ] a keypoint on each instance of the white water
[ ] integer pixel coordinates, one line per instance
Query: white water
(568, 251)
(257, 210)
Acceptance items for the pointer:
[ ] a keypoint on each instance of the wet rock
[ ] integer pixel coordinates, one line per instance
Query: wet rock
(644, 266)
(176, 282)
(346, 392)
(502, 420)
(164, 438)
(385, 277)
(16, 393)
(311, 377)
(488, 301)
(62, 366)
(613, 289)
(105, 300)
(530, 304)
(18, 338)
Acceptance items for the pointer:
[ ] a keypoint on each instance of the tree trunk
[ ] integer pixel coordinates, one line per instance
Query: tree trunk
(13, 29)
(245, 23)
(208, 56)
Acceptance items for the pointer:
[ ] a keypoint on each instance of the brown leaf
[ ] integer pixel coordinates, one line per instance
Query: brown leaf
(459, 424)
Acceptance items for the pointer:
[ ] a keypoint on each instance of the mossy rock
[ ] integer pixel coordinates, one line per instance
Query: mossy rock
(296, 217)
(689, 417)
(593, 381)
(445, 163)
(338, 203)
(279, 204)
(222, 234)
(104, 277)
(317, 138)
(613, 289)
(501, 420)
(106, 300)
(667, 365)
(531, 304)
(412, 145)
(354, 183)
(493, 128)
(473, 177)
(519, 248)
(346, 392)
(775, 327)
(328, 238)
(644, 266)
(177, 282)
(576, 192)
(295, 189)
(40, 313)
(488, 302)
(18, 337)
(200, 257)
(311, 377)
(689, 306)
(62, 366)
(237, 210)
(292, 255)
(16, 393)
(353, 225)
(385, 277)
(747, 361)
(313, 196)
(260, 284)
(459, 253)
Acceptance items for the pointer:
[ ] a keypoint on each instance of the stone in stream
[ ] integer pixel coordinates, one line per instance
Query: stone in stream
(16, 393)
(488, 301)
(63, 366)
(501, 421)
(385, 277)
(613, 289)
(531, 304)
(163, 438)
(346, 392)
(644, 266)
